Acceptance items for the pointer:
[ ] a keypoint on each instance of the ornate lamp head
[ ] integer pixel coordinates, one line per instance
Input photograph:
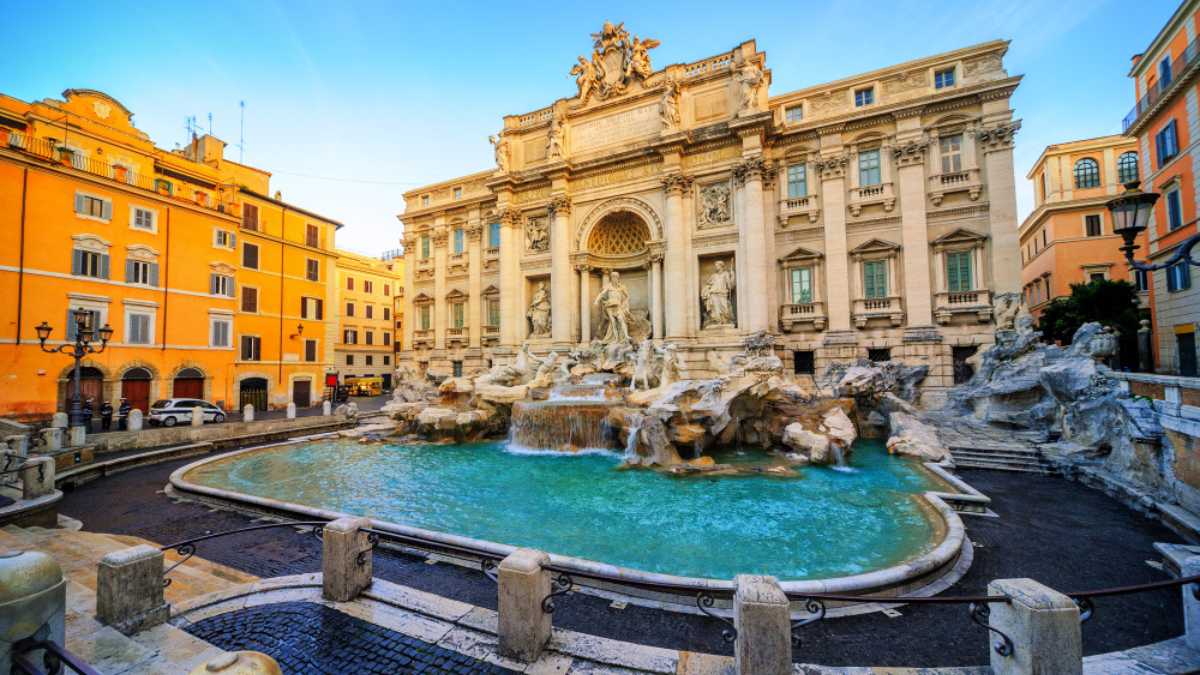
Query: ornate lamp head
(43, 331)
(1131, 214)
(83, 329)
(106, 333)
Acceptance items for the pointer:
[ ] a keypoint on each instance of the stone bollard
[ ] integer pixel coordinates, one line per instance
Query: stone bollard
(248, 412)
(343, 578)
(33, 603)
(326, 408)
(1191, 606)
(762, 616)
(291, 410)
(60, 420)
(77, 436)
(524, 628)
(129, 589)
(37, 477)
(197, 416)
(1043, 625)
(52, 439)
(18, 444)
(135, 420)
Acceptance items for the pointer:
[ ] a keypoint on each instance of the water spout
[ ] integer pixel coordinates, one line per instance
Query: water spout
(568, 425)
(631, 444)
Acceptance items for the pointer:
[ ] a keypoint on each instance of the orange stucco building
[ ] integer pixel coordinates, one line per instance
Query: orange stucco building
(1068, 238)
(152, 242)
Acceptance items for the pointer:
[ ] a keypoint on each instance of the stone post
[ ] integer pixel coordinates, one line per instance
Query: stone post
(52, 438)
(34, 603)
(248, 412)
(129, 589)
(1191, 606)
(238, 663)
(524, 629)
(77, 436)
(37, 477)
(18, 444)
(674, 260)
(1043, 625)
(291, 410)
(326, 408)
(560, 269)
(60, 420)
(762, 616)
(197, 416)
(135, 422)
(343, 578)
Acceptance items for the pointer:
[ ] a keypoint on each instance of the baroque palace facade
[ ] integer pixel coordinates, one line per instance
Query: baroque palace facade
(213, 289)
(871, 217)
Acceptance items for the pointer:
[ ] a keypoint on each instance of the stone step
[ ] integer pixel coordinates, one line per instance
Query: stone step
(1003, 467)
(1025, 452)
(999, 457)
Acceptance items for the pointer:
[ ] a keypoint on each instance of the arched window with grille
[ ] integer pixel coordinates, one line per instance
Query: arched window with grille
(1127, 167)
(1087, 173)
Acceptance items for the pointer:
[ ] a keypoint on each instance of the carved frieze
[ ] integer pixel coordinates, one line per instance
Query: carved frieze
(531, 195)
(751, 169)
(614, 176)
(712, 156)
(999, 137)
(676, 183)
(560, 205)
(911, 153)
(714, 205)
(832, 167)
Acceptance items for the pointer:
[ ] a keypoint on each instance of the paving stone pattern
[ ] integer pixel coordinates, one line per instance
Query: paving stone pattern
(305, 638)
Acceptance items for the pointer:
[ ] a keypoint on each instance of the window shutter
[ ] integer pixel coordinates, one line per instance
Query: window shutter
(320, 309)
(106, 210)
(104, 266)
(78, 203)
(76, 261)
(230, 291)
(153, 274)
(212, 284)
(232, 240)
(70, 324)
(128, 271)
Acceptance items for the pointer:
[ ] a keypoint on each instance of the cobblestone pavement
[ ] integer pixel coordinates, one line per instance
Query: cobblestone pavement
(1058, 532)
(305, 637)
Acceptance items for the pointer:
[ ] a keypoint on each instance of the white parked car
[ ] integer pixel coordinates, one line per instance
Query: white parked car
(172, 411)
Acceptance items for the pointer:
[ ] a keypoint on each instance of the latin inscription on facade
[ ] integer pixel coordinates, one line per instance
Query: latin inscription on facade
(610, 129)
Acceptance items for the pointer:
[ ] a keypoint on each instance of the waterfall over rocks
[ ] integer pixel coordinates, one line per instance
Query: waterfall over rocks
(567, 425)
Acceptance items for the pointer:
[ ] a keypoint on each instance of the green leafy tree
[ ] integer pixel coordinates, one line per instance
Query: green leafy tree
(1112, 303)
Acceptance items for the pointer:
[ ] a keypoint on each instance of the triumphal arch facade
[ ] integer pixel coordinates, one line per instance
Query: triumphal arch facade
(870, 217)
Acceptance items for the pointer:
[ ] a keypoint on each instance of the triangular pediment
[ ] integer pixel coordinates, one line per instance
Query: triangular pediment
(875, 246)
(801, 253)
(456, 294)
(960, 236)
(422, 299)
(491, 290)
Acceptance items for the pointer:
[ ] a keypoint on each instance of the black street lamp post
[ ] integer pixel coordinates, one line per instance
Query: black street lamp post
(1131, 216)
(84, 344)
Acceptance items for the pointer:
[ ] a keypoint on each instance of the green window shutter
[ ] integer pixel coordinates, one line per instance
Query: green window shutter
(128, 271)
(103, 266)
(153, 274)
(106, 210)
(78, 203)
(212, 284)
(76, 261)
(875, 279)
(70, 324)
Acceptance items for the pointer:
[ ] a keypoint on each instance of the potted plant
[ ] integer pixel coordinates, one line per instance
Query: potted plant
(121, 173)
(66, 155)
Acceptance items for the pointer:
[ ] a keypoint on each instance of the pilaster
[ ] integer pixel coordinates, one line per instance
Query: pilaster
(474, 233)
(675, 259)
(752, 271)
(997, 146)
(512, 315)
(561, 281)
(832, 169)
(440, 319)
(914, 232)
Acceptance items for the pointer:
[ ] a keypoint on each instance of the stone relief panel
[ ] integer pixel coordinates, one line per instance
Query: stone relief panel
(714, 205)
(906, 82)
(537, 234)
(534, 149)
(710, 106)
(718, 292)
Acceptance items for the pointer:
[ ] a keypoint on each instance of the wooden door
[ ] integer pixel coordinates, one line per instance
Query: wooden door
(137, 392)
(89, 387)
(188, 387)
(302, 393)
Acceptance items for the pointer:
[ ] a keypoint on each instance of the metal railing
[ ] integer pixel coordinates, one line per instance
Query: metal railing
(187, 548)
(1157, 92)
(54, 658)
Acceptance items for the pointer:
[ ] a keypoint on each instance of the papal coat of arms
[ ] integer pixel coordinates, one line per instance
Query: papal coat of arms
(618, 59)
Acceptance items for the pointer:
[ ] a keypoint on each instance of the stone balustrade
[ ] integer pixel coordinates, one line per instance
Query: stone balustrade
(976, 304)
(867, 309)
(796, 317)
(809, 206)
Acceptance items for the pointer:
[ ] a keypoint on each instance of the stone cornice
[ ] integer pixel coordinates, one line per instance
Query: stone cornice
(832, 167)
(998, 138)
(911, 153)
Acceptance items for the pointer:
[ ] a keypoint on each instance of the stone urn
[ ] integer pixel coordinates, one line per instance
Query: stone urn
(1103, 345)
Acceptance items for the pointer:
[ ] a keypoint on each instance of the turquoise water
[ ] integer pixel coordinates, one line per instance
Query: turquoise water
(823, 523)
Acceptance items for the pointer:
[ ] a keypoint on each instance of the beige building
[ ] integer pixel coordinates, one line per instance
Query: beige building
(367, 288)
(874, 216)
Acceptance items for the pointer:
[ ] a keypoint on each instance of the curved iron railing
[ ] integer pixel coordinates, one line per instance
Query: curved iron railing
(187, 547)
(54, 658)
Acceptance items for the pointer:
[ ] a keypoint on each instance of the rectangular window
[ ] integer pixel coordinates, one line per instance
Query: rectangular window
(250, 216)
(958, 271)
(493, 312)
(457, 193)
(456, 367)
(219, 333)
(312, 236)
(249, 256)
(142, 219)
(879, 355)
(1164, 72)
(1179, 276)
(1166, 142)
(370, 360)
(349, 283)
(249, 299)
(91, 322)
(797, 181)
(875, 281)
(793, 114)
(387, 289)
(1174, 210)
(369, 336)
(801, 285)
(251, 348)
(349, 359)
(89, 264)
(349, 309)
(370, 309)
(387, 338)
(220, 284)
(425, 247)
(804, 362)
(93, 207)
(868, 168)
(312, 270)
(426, 317)
(1093, 225)
(387, 360)
(387, 314)
(460, 240)
(224, 239)
(141, 272)
(951, 153)
(137, 328)
(864, 96)
(943, 78)
(368, 286)
(312, 308)
(310, 350)
(424, 200)
(456, 314)
(1142, 279)
(350, 336)
(493, 235)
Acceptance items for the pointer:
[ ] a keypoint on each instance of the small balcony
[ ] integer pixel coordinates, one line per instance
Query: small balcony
(456, 264)
(1179, 71)
(809, 206)
(883, 193)
(871, 309)
(423, 339)
(456, 337)
(943, 184)
(975, 305)
(806, 316)
(491, 335)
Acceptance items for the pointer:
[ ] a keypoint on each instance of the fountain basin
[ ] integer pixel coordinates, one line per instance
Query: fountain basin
(889, 532)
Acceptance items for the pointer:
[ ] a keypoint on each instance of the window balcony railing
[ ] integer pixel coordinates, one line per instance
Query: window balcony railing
(492, 252)
(793, 317)
(949, 303)
(456, 335)
(881, 193)
(942, 184)
(867, 309)
(1156, 93)
(809, 205)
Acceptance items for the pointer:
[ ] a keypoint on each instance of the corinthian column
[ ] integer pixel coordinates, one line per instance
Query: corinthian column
(752, 272)
(656, 294)
(440, 236)
(997, 146)
(474, 282)
(675, 260)
(560, 270)
(409, 317)
(914, 235)
(585, 306)
(837, 272)
(512, 315)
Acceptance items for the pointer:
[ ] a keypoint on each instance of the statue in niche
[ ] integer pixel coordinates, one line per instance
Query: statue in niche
(614, 302)
(714, 204)
(668, 106)
(749, 78)
(539, 311)
(537, 235)
(717, 295)
(500, 145)
(558, 132)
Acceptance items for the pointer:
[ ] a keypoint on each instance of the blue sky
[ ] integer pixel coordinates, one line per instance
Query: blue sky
(349, 104)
